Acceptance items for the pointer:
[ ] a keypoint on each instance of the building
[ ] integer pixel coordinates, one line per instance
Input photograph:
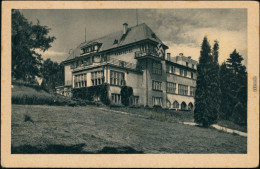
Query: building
(134, 57)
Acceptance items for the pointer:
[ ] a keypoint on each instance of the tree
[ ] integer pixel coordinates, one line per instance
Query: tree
(206, 104)
(238, 87)
(52, 74)
(26, 38)
(215, 81)
(126, 92)
(225, 87)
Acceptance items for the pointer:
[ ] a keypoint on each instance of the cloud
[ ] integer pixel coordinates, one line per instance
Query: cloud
(183, 30)
(53, 55)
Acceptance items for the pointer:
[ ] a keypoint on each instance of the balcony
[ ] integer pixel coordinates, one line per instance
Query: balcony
(146, 54)
(109, 61)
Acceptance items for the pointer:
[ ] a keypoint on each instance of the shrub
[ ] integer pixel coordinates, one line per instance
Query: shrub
(126, 92)
(92, 92)
(104, 94)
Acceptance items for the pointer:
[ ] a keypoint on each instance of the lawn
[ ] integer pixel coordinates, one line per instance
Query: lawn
(176, 116)
(88, 129)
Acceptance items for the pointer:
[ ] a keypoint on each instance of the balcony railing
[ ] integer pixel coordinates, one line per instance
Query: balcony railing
(111, 61)
(140, 54)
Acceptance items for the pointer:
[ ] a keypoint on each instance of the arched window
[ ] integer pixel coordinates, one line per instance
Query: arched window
(183, 106)
(168, 104)
(190, 106)
(175, 105)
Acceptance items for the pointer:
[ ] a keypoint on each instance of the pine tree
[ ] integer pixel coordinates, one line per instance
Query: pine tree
(238, 89)
(226, 97)
(206, 111)
(215, 83)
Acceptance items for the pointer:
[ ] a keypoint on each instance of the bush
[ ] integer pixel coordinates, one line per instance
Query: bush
(92, 92)
(126, 92)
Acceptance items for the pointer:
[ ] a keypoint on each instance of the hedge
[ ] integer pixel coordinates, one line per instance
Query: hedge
(89, 93)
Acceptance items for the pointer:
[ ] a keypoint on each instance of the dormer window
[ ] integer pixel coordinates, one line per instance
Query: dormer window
(96, 47)
(91, 48)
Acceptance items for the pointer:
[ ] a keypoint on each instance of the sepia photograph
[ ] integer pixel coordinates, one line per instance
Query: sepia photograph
(130, 81)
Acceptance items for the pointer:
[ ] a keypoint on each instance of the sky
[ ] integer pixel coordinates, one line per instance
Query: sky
(182, 30)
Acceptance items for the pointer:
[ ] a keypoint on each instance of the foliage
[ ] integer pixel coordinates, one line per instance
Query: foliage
(234, 89)
(215, 82)
(206, 99)
(52, 74)
(26, 39)
(92, 93)
(126, 93)
(226, 98)
(35, 96)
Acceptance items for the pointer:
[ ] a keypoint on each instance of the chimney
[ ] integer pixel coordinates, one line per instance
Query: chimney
(180, 54)
(169, 56)
(125, 27)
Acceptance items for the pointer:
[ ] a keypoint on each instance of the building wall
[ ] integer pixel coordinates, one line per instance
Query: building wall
(180, 99)
(142, 82)
(67, 73)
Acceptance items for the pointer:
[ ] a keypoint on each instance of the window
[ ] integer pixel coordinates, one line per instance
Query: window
(192, 66)
(157, 101)
(190, 106)
(192, 91)
(191, 75)
(135, 100)
(183, 106)
(170, 69)
(183, 90)
(181, 72)
(117, 78)
(157, 85)
(80, 80)
(97, 78)
(185, 73)
(175, 105)
(171, 87)
(116, 98)
(87, 61)
(157, 68)
(187, 64)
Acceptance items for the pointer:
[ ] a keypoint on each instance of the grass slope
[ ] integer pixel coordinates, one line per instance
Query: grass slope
(59, 129)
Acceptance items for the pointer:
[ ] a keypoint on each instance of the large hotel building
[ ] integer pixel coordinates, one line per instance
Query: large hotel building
(135, 57)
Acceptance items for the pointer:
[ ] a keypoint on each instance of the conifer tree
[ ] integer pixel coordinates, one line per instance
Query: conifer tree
(215, 92)
(238, 89)
(205, 112)
(225, 87)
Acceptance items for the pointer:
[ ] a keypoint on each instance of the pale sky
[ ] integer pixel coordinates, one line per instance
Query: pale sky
(181, 29)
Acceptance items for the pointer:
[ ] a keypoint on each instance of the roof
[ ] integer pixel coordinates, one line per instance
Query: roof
(183, 58)
(134, 34)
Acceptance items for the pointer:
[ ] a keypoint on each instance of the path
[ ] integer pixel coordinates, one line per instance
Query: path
(221, 128)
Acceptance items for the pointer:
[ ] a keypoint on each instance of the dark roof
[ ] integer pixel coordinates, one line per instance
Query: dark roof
(134, 34)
